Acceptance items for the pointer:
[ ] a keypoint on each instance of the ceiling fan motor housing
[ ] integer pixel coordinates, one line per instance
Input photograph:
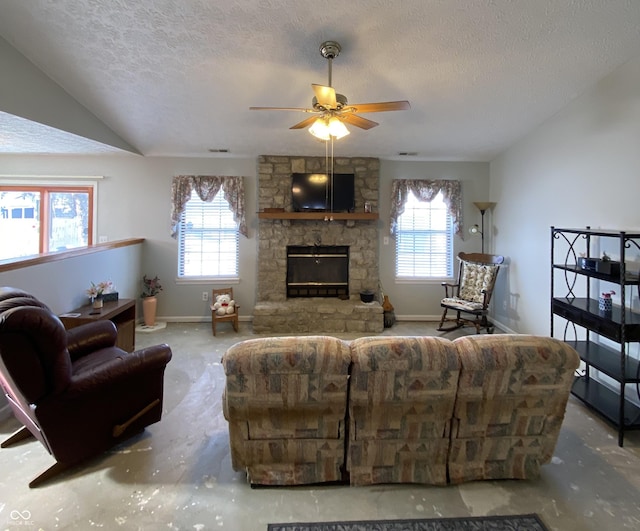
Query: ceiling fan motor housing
(341, 102)
(330, 49)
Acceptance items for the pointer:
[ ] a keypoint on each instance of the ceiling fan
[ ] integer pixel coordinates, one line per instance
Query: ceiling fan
(331, 110)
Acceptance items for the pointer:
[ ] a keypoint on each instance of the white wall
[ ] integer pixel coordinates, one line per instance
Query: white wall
(580, 168)
(134, 201)
(422, 301)
(62, 284)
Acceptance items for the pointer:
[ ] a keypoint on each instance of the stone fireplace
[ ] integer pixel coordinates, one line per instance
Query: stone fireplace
(283, 307)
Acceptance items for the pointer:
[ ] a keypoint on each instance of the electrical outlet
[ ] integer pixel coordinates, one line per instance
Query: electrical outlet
(385, 240)
(102, 239)
(205, 295)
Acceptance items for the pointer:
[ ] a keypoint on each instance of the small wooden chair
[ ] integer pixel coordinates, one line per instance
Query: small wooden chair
(230, 317)
(471, 295)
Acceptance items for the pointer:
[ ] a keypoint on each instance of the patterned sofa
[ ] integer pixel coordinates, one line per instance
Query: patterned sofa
(285, 400)
(391, 409)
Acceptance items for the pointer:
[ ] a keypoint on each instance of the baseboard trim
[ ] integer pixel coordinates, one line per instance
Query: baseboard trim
(249, 318)
(193, 319)
(420, 318)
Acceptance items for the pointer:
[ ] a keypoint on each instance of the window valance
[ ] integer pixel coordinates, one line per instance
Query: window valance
(426, 190)
(207, 187)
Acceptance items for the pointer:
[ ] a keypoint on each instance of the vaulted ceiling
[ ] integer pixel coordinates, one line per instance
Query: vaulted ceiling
(178, 77)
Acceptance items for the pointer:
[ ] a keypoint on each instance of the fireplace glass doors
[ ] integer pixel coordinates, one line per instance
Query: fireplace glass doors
(318, 271)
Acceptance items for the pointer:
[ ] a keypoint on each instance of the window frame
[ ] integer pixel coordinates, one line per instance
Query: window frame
(449, 233)
(55, 184)
(193, 279)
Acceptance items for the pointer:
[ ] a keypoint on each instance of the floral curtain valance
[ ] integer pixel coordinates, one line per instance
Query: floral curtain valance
(207, 187)
(426, 190)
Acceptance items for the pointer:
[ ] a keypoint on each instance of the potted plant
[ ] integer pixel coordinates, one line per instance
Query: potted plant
(150, 288)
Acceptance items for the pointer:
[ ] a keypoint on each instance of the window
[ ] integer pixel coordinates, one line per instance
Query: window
(424, 240)
(207, 239)
(41, 219)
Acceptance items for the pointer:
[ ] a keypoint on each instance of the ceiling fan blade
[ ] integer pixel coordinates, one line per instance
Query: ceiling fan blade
(304, 123)
(379, 107)
(326, 96)
(358, 121)
(280, 109)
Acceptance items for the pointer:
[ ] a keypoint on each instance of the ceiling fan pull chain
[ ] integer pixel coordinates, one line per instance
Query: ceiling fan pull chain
(326, 166)
(331, 140)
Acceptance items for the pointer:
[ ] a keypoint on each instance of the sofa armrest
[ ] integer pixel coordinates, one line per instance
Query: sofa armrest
(114, 366)
(87, 338)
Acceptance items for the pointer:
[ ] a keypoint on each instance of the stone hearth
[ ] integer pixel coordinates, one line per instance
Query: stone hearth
(274, 312)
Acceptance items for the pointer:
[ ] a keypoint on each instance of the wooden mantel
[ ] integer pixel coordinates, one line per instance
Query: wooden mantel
(335, 216)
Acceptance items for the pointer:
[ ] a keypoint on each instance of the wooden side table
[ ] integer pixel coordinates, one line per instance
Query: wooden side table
(122, 312)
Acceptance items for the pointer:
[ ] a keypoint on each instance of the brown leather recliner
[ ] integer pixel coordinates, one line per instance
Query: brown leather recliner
(74, 390)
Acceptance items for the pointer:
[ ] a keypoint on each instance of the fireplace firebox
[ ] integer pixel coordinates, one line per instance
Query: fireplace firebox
(318, 271)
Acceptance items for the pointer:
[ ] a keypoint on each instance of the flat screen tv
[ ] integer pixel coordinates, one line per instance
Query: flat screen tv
(314, 192)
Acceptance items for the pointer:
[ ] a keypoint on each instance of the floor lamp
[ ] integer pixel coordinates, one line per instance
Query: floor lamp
(483, 206)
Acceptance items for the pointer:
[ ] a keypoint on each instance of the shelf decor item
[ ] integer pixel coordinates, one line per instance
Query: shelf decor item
(605, 304)
(150, 288)
(96, 292)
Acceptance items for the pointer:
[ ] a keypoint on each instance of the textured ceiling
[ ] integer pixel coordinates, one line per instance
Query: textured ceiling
(178, 77)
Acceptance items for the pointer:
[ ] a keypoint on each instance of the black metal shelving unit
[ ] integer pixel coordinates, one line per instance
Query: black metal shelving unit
(581, 313)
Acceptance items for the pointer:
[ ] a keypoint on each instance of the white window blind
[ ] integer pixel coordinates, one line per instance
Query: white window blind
(207, 239)
(424, 240)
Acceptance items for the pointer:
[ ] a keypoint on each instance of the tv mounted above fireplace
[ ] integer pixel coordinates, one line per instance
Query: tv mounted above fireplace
(316, 193)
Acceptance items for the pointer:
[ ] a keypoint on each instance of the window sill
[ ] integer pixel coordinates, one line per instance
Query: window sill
(208, 280)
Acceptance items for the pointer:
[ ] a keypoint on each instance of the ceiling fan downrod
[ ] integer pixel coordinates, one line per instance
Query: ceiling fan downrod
(330, 50)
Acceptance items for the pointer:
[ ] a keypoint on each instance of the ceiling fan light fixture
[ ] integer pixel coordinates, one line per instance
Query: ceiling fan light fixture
(325, 129)
(336, 128)
(320, 129)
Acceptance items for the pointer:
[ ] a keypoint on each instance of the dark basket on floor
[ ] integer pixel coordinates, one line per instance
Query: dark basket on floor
(389, 318)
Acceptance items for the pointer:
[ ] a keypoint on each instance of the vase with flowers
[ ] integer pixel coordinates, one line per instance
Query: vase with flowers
(150, 288)
(96, 291)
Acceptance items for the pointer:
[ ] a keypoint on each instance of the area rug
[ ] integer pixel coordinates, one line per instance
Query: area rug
(521, 522)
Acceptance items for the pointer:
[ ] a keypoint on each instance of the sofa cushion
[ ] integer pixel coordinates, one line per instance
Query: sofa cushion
(475, 279)
(285, 400)
(401, 399)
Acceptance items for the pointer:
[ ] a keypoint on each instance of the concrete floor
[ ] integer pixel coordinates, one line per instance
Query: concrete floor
(177, 474)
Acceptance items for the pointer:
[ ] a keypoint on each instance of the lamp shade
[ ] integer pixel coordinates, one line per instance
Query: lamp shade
(484, 205)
